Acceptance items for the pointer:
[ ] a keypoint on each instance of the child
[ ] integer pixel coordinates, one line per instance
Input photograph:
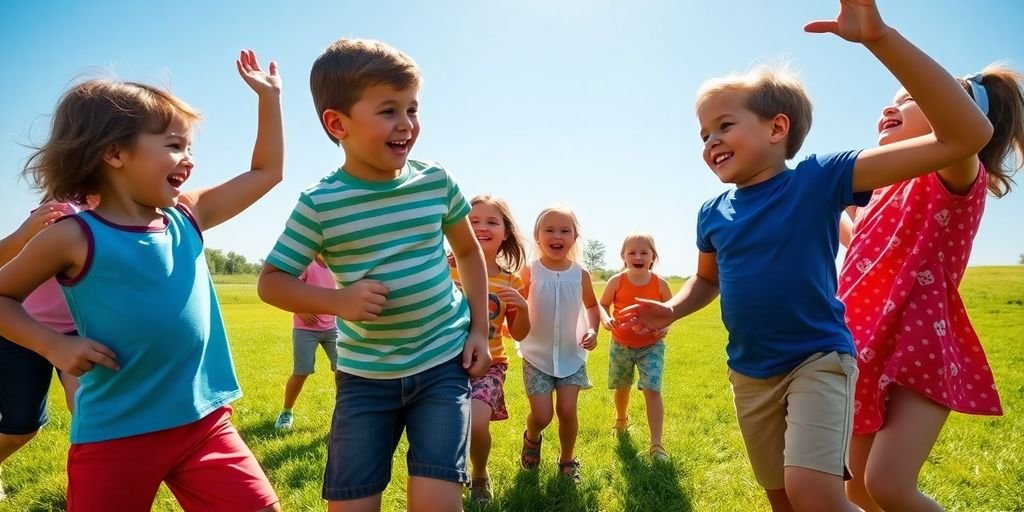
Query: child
(919, 356)
(629, 348)
(309, 332)
(155, 380)
(564, 319)
(770, 244)
(408, 336)
(25, 375)
(499, 238)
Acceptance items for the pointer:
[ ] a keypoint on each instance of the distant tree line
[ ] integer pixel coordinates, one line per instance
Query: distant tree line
(230, 263)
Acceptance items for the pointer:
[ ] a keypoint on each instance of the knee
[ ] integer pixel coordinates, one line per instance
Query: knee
(566, 413)
(888, 490)
(480, 428)
(541, 418)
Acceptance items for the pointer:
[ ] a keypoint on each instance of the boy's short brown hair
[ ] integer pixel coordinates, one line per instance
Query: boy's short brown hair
(347, 67)
(770, 91)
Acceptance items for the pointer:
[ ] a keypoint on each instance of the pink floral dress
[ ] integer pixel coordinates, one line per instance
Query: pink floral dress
(899, 282)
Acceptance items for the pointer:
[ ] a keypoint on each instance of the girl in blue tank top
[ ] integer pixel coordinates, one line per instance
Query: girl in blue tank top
(152, 354)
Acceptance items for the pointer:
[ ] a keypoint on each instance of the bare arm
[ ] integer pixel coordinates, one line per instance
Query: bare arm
(217, 204)
(959, 129)
(607, 298)
(360, 301)
(697, 292)
(61, 249)
(593, 311)
(43, 216)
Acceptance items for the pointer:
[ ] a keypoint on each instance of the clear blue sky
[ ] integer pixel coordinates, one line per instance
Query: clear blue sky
(587, 103)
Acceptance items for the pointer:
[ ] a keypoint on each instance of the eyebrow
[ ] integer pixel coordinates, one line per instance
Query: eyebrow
(175, 137)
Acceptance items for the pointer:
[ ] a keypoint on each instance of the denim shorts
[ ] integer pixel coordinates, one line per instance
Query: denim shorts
(304, 345)
(24, 386)
(433, 406)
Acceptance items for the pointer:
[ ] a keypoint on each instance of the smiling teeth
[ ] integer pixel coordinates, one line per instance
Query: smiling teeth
(721, 158)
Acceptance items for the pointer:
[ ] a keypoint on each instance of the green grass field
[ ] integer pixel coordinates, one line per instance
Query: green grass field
(978, 464)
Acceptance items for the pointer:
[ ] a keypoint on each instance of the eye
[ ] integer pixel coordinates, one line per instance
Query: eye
(703, 137)
(725, 126)
(388, 111)
(413, 111)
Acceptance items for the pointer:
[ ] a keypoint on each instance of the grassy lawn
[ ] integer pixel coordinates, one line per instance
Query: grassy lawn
(978, 464)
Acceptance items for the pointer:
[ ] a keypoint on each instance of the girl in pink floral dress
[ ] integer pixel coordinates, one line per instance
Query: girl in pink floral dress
(918, 355)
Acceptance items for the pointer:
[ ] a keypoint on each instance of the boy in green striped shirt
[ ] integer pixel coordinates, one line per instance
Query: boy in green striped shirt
(409, 338)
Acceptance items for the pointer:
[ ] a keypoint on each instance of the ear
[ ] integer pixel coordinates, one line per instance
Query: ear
(114, 156)
(335, 123)
(779, 128)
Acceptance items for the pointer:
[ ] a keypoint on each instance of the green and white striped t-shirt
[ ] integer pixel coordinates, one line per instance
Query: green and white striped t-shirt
(391, 232)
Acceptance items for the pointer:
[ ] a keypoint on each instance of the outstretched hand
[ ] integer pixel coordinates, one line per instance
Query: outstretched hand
(260, 81)
(858, 21)
(648, 315)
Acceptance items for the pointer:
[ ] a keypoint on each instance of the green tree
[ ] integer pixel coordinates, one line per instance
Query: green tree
(593, 255)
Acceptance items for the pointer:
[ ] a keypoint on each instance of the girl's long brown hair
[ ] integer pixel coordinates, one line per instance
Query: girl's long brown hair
(1003, 156)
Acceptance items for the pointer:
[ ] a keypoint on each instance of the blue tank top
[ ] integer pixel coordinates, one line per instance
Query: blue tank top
(147, 294)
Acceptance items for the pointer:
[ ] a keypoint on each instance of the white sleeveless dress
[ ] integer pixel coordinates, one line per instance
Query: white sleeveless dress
(557, 320)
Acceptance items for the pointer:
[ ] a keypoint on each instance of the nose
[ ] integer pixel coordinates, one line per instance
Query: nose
(405, 123)
(890, 110)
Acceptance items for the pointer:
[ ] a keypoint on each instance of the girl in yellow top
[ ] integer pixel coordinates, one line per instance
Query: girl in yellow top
(629, 348)
(499, 238)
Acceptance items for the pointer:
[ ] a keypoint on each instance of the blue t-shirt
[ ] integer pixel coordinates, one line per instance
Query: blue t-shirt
(147, 294)
(775, 245)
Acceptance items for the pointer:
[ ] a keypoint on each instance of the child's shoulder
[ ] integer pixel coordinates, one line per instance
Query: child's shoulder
(828, 161)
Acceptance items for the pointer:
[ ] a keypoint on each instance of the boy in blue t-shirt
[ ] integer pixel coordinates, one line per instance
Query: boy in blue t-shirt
(769, 246)
(409, 340)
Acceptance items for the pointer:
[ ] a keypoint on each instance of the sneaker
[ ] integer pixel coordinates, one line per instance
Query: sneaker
(480, 491)
(285, 420)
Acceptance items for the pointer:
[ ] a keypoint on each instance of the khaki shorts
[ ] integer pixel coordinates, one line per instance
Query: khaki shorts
(803, 418)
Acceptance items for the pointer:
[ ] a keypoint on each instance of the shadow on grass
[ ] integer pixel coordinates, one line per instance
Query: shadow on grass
(531, 492)
(650, 485)
(294, 463)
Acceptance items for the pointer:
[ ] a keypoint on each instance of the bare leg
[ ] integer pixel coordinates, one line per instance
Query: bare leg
(655, 414)
(860, 447)
(814, 491)
(621, 404)
(568, 421)
(480, 439)
(367, 504)
(541, 412)
(912, 425)
(292, 389)
(432, 495)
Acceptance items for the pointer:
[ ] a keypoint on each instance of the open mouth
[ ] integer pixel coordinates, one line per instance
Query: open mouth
(556, 247)
(176, 180)
(399, 146)
(720, 158)
(888, 123)
(638, 265)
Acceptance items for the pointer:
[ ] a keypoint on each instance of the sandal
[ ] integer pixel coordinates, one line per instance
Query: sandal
(571, 470)
(658, 453)
(480, 491)
(621, 425)
(529, 458)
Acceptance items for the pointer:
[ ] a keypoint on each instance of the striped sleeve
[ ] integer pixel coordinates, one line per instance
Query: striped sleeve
(301, 240)
(457, 205)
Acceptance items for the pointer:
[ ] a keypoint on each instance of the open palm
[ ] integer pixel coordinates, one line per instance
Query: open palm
(858, 21)
(262, 82)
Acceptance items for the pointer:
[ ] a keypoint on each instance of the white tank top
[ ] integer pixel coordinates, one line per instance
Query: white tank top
(557, 320)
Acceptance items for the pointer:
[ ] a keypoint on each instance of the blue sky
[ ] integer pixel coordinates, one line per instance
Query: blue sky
(586, 103)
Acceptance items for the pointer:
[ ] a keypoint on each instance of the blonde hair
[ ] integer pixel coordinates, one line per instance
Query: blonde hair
(574, 253)
(770, 91)
(639, 236)
(91, 117)
(347, 67)
(1003, 156)
(512, 251)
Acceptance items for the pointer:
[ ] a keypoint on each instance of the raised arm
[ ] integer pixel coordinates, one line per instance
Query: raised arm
(219, 203)
(959, 129)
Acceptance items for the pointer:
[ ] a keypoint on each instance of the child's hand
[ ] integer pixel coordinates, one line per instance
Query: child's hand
(589, 340)
(308, 318)
(77, 355)
(476, 355)
(608, 322)
(260, 82)
(858, 21)
(512, 299)
(42, 217)
(362, 300)
(648, 315)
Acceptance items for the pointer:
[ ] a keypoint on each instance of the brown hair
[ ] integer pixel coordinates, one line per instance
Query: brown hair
(770, 91)
(639, 237)
(574, 253)
(90, 118)
(511, 252)
(347, 67)
(1004, 154)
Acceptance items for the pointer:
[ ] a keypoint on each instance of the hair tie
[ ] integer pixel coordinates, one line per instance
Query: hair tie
(978, 91)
